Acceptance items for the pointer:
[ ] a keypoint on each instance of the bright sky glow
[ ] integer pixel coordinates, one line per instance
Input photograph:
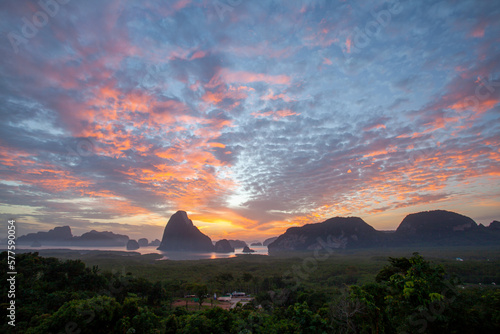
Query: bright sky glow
(252, 116)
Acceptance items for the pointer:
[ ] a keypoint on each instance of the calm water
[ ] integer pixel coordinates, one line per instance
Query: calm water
(262, 250)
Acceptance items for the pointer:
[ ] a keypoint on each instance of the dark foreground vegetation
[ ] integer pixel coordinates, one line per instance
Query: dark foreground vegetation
(345, 293)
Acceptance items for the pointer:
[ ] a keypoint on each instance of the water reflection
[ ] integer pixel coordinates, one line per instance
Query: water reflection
(260, 250)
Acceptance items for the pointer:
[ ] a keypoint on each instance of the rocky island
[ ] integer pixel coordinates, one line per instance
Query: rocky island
(181, 235)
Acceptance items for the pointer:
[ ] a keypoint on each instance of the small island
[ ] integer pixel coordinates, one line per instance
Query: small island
(247, 250)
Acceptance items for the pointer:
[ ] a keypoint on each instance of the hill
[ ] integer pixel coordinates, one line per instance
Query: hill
(427, 228)
(104, 239)
(181, 235)
(443, 228)
(62, 236)
(338, 232)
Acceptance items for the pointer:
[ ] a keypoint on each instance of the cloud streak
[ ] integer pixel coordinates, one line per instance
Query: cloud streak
(119, 114)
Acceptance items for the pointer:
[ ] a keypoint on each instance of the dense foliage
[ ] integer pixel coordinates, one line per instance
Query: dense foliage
(408, 295)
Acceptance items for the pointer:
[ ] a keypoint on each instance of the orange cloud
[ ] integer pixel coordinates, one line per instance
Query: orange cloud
(376, 153)
(28, 170)
(250, 77)
(475, 104)
(272, 96)
(376, 126)
(220, 94)
(478, 30)
(198, 54)
(217, 145)
(181, 4)
(276, 115)
(348, 44)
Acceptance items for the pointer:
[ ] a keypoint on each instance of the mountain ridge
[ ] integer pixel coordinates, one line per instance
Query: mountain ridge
(62, 235)
(426, 228)
(180, 234)
(436, 227)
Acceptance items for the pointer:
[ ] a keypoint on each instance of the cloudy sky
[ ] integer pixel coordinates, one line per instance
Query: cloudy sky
(252, 116)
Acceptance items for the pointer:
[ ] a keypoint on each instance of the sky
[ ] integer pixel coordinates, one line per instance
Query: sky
(252, 116)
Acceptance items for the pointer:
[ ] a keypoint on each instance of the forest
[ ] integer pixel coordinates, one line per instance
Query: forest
(350, 293)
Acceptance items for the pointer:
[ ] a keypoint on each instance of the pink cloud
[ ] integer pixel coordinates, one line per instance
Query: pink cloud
(181, 4)
(250, 77)
(276, 115)
(375, 126)
(272, 96)
(478, 29)
(198, 54)
(348, 44)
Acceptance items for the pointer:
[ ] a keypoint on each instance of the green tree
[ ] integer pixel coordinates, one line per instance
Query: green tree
(361, 310)
(246, 278)
(200, 290)
(171, 324)
(223, 279)
(156, 294)
(476, 310)
(306, 320)
(146, 322)
(418, 295)
(94, 315)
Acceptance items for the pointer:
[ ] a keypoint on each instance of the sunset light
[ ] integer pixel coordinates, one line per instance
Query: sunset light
(253, 117)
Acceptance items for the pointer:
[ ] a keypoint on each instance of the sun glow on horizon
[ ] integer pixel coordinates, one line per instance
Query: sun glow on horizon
(249, 124)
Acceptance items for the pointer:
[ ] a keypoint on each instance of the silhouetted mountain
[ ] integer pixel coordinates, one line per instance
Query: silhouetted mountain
(237, 244)
(267, 242)
(100, 239)
(338, 232)
(434, 223)
(36, 243)
(181, 235)
(256, 244)
(442, 228)
(223, 246)
(155, 242)
(62, 236)
(494, 225)
(143, 242)
(247, 249)
(58, 234)
(132, 245)
(429, 228)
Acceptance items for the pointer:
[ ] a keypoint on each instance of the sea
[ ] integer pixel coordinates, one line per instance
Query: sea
(260, 250)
